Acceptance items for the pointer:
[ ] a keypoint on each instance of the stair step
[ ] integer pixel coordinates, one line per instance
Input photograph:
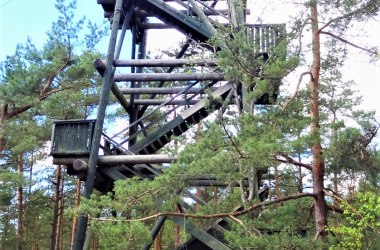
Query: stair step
(179, 20)
(179, 125)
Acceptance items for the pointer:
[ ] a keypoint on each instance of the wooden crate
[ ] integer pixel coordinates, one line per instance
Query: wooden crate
(72, 137)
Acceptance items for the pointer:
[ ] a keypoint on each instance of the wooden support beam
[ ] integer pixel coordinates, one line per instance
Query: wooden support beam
(143, 13)
(202, 16)
(163, 91)
(118, 159)
(167, 102)
(198, 233)
(100, 64)
(148, 77)
(80, 165)
(101, 67)
(157, 26)
(93, 158)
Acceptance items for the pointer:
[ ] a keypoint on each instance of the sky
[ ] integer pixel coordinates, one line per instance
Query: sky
(20, 19)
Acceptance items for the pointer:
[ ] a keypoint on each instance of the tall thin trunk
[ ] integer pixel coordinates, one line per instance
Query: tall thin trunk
(158, 241)
(276, 182)
(55, 222)
(75, 219)
(318, 159)
(335, 176)
(300, 182)
(198, 194)
(20, 204)
(59, 244)
(215, 195)
(177, 241)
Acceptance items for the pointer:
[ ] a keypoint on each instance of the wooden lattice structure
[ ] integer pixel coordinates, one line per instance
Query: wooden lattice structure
(136, 154)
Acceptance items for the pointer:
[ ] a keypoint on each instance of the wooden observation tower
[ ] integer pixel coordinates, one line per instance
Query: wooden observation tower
(134, 151)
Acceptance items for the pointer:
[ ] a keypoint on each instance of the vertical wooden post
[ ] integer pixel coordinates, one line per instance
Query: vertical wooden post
(132, 108)
(103, 102)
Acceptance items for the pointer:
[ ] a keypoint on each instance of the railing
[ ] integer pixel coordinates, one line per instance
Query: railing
(265, 36)
(162, 116)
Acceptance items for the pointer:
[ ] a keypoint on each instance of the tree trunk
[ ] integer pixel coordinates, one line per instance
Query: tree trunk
(55, 222)
(276, 183)
(59, 244)
(20, 204)
(75, 219)
(158, 242)
(318, 158)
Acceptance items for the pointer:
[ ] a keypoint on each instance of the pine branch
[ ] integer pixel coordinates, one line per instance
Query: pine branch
(290, 160)
(348, 42)
(214, 216)
(360, 11)
(296, 90)
(19, 110)
(52, 77)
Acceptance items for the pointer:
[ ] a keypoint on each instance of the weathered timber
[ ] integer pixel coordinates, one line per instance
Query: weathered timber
(80, 165)
(200, 234)
(170, 15)
(147, 77)
(103, 102)
(179, 124)
(157, 26)
(155, 230)
(114, 88)
(100, 64)
(163, 91)
(202, 17)
(143, 13)
(118, 159)
(166, 102)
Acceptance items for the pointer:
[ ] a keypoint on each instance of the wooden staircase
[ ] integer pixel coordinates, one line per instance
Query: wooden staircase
(191, 104)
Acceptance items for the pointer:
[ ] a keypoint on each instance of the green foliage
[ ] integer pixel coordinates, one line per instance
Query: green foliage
(122, 235)
(241, 61)
(360, 229)
(8, 181)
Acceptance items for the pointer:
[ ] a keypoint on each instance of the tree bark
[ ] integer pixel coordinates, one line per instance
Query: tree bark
(75, 219)
(55, 222)
(20, 204)
(61, 207)
(318, 158)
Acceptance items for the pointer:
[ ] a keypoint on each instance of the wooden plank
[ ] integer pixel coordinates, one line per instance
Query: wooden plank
(163, 91)
(167, 102)
(100, 64)
(172, 16)
(198, 233)
(148, 77)
(201, 104)
(119, 159)
(112, 173)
